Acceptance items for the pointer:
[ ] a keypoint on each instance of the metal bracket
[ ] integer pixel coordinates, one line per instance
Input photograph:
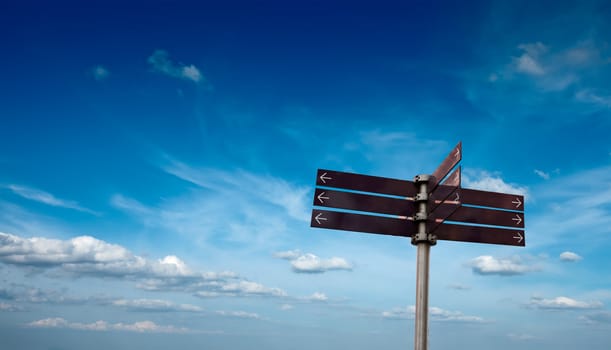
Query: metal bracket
(422, 178)
(424, 237)
(421, 197)
(420, 217)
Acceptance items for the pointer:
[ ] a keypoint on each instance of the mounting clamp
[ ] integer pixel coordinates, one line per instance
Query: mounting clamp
(424, 237)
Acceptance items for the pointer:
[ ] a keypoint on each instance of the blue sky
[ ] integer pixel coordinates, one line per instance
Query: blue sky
(158, 162)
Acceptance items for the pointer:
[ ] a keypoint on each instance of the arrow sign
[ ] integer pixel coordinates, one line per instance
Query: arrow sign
(444, 210)
(365, 183)
(442, 192)
(446, 165)
(479, 234)
(482, 216)
(361, 223)
(363, 202)
(493, 199)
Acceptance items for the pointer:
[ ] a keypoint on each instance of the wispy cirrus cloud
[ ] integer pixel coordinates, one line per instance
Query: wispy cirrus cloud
(435, 314)
(104, 326)
(600, 317)
(47, 198)
(239, 314)
(160, 62)
(100, 73)
(154, 305)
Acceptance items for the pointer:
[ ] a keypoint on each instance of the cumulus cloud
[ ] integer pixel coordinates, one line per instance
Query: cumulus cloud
(483, 180)
(570, 257)
(160, 62)
(489, 265)
(435, 314)
(317, 296)
(100, 73)
(310, 263)
(139, 327)
(562, 303)
(154, 305)
(47, 198)
(89, 256)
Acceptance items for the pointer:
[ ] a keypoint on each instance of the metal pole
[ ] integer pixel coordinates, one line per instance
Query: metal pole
(422, 297)
(423, 241)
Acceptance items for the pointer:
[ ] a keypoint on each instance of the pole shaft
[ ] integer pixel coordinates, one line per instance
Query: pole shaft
(422, 282)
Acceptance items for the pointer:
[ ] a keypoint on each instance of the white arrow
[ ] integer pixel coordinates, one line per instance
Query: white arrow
(323, 178)
(457, 153)
(517, 202)
(457, 197)
(518, 219)
(319, 217)
(519, 237)
(321, 197)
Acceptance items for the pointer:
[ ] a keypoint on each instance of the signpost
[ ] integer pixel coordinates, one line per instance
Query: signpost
(429, 208)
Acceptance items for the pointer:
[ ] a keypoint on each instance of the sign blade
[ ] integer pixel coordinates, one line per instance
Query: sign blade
(493, 199)
(361, 223)
(487, 216)
(446, 165)
(365, 183)
(444, 210)
(480, 234)
(442, 192)
(363, 202)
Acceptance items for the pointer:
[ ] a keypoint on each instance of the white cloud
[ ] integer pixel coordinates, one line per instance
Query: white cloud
(100, 73)
(161, 62)
(8, 307)
(562, 303)
(435, 314)
(570, 257)
(592, 97)
(288, 255)
(521, 336)
(89, 256)
(317, 296)
(270, 189)
(485, 181)
(597, 317)
(542, 174)
(251, 288)
(139, 327)
(528, 62)
(47, 198)
(489, 265)
(154, 305)
(310, 263)
(286, 307)
(239, 314)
